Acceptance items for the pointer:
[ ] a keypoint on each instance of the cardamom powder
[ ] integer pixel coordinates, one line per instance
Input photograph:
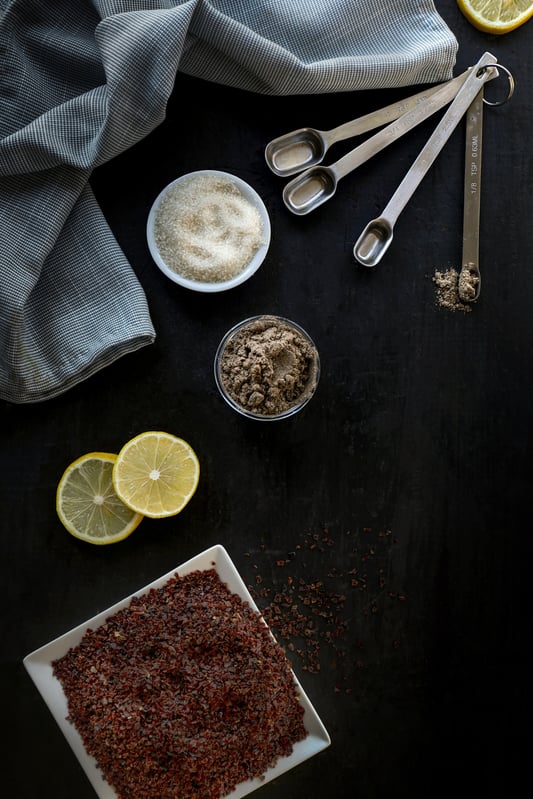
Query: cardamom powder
(268, 366)
(447, 283)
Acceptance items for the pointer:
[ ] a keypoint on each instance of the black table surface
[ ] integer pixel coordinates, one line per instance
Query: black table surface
(403, 487)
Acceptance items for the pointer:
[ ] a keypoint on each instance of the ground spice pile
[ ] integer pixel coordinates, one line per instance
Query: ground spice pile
(322, 618)
(182, 693)
(268, 366)
(447, 283)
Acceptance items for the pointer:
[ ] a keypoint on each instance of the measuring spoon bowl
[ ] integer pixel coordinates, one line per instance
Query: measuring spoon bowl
(295, 151)
(373, 242)
(318, 183)
(469, 283)
(310, 189)
(305, 147)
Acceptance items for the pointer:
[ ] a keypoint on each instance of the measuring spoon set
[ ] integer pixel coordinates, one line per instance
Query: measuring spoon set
(302, 151)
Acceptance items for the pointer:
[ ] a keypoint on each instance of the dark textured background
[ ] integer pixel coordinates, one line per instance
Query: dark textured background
(415, 454)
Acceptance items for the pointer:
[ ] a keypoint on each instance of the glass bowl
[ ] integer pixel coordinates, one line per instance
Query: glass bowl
(219, 224)
(267, 367)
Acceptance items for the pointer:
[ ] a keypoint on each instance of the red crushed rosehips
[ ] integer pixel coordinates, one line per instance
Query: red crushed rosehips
(184, 692)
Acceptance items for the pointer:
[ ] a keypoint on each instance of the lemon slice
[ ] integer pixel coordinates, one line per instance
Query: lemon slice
(496, 16)
(87, 504)
(156, 474)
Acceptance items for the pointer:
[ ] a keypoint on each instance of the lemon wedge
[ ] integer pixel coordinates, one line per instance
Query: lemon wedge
(87, 503)
(156, 474)
(496, 16)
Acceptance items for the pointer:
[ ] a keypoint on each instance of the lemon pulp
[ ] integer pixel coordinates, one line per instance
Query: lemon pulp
(496, 16)
(156, 474)
(87, 504)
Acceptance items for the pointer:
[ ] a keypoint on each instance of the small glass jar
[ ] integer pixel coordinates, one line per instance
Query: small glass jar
(267, 367)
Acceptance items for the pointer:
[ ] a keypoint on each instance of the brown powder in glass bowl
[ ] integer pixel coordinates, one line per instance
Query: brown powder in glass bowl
(267, 367)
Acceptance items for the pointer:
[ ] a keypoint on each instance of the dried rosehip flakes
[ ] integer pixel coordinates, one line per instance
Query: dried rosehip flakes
(337, 598)
(183, 692)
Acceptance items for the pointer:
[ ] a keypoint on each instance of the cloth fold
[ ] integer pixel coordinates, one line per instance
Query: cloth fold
(81, 85)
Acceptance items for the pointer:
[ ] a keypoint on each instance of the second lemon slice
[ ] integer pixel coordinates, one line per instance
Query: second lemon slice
(156, 474)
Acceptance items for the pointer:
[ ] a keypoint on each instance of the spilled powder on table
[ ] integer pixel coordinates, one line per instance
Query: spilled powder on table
(447, 283)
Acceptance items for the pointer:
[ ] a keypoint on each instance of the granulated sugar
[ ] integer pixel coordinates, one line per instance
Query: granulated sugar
(206, 229)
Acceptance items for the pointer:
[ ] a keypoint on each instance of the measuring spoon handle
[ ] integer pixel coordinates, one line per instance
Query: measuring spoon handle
(469, 276)
(376, 237)
(439, 137)
(440, 97)
(389, 113)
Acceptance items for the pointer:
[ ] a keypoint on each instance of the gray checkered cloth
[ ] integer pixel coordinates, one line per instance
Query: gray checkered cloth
(82, 81)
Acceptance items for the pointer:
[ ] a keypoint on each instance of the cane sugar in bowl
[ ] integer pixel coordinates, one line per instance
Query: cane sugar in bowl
(208, 231)
(267, 367)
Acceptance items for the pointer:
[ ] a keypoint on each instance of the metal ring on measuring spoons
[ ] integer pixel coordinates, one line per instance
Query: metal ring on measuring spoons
(511, 84)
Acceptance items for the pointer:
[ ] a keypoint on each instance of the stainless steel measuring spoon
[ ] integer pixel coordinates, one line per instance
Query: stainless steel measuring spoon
(319, 183)
(377, 236)
(469, 283)
(306, 147)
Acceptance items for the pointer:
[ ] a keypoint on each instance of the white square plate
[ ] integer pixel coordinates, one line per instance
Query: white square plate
(39, 667)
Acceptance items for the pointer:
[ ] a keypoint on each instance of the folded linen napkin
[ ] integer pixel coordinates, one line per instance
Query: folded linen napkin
(81, 84)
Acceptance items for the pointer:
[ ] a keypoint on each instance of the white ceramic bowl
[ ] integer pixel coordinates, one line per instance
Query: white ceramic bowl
(247, 271)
